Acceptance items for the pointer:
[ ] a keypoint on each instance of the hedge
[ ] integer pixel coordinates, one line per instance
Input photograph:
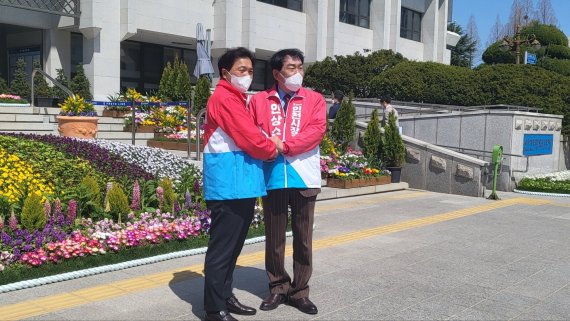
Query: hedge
(561, 66)
(522, 85)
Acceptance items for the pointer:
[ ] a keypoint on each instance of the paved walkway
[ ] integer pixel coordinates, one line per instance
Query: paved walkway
(408, 255)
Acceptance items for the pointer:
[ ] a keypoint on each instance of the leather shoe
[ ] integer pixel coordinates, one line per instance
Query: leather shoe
(304, 305)
(219, 316)
(235, 307)
(273, 301)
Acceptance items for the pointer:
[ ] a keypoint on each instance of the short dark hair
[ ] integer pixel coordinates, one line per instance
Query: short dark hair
(386, 98)
(338, 95)
(228, 59)
(276, 61)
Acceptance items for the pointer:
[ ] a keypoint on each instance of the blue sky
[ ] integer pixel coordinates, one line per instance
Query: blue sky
(485, 13)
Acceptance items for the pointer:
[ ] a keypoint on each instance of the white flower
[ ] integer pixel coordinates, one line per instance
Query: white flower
(558, 176)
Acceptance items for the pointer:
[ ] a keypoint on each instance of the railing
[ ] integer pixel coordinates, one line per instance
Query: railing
(70, 8)
(198, 117)
(55, 82)
(365, 106)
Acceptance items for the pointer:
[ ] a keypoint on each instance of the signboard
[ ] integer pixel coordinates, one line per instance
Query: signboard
(529, 58)
(537, 144)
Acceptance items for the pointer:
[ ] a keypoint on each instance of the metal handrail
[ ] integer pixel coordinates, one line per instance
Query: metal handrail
(198, 117)
(55, 82)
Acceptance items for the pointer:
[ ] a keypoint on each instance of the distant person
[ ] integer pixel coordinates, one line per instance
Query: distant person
(387, 108)
(337, 100)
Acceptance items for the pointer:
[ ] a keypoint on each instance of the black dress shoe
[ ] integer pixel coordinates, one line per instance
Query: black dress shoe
(304, 305)
(219, 316)
(235, 307)
(273, 301)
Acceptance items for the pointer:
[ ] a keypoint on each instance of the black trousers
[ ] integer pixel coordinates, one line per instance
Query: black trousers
(230, 222)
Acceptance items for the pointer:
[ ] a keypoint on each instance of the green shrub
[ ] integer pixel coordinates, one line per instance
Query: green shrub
(117, 202)
(544, 185)
(494, 55)
(88, 197)
(58, 92)
(351, 73)
(201, 95)
(175, 82)
(41, 87)
(19, 85)
(547, 35)
(3, 86)
(344, 126)
(393, 149)
(80, 84)
(33, 216)
(169, 195)
(560, 66)
(558, 51)
(372, 139)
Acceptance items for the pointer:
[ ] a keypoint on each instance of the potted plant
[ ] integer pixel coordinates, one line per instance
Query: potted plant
(393, 149)
(77, 118)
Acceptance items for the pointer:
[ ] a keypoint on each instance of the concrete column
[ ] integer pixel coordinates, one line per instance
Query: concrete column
(57, 51)
(249, 33)
(430, 25)
(228, 25)
(380, 23)
(395, 12)
(332, 26)
(317, 29)
(102, 46)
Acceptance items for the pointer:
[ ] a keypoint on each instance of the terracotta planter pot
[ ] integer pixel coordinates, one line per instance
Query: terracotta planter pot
(172, 145)
(107, 113)
(77, 126)
(115, 113)
(140, 129)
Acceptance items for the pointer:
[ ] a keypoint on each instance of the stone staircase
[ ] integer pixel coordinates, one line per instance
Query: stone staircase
(41, 120)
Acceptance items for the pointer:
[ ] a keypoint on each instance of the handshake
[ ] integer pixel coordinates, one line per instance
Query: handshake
(278, 146)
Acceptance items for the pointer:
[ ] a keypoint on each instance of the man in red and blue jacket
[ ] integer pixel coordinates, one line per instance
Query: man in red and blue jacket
(298, 117)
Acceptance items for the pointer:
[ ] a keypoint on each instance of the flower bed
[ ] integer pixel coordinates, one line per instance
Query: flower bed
(548, 183)
(7, 100)
(351, 170)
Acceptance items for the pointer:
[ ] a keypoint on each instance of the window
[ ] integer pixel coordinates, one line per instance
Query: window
(296, 5)
(142, 64)
(355, 12)
(411, 25)
(262, 75)
(76, 52)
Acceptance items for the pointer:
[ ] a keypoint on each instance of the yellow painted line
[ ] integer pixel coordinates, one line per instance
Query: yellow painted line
(72, 299)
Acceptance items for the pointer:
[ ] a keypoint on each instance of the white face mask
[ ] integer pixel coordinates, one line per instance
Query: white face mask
(240, 83)
(294, 82)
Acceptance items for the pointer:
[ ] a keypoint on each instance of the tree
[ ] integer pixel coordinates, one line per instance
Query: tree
(62, 79)
(545, 13)
(394, 151)
(19, 85)
(372, 139)
(497, 32)
(463, 52)
(183, 86)
(201, 95)
(3, 86)
(344, 126)
(41, 87)
(521, 11)
(175, 81)
(473, 33)
(80, 84)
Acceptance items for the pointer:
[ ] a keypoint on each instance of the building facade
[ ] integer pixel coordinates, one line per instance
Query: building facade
(126, 43)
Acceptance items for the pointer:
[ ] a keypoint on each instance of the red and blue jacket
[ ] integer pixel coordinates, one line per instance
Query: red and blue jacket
(301, 128)
(234, 148)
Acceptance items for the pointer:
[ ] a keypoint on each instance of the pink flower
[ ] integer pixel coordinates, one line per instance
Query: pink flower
(13, 222)
(136, 203)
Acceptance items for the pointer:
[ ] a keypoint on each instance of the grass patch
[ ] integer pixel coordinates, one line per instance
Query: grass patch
(18, 272)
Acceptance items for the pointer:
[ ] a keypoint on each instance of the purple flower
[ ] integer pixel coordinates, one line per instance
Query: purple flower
(136, 203)
(71, 211)
(47, 208)
(160, 196)
(13, 222)
(176, 206)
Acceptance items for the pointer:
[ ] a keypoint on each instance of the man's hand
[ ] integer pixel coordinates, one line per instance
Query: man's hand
(278, 143)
